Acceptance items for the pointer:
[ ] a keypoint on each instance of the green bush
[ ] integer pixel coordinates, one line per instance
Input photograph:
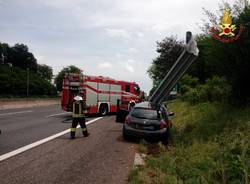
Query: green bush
(215, 89)
(186, 83)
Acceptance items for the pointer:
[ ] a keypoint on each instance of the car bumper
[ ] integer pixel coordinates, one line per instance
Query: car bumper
(137, 133)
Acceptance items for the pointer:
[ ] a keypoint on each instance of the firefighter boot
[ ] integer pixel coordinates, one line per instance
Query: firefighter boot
(85, 132)
(72, 133)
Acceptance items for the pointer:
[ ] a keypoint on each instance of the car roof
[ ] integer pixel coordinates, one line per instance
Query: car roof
(147, 105)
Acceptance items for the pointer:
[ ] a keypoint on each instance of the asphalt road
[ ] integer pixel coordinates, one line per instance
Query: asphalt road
(27, 125)
(103, 157)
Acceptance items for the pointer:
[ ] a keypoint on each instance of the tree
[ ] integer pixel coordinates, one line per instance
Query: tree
(45, 72)
(19, 56)
(230, 60)
(13, 82)
(60, 76)
(169, 50)
(4, 49)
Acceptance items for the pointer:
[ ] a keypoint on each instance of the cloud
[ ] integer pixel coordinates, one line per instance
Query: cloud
(118, 55)
(139, 34)
(119, 33)
(133, 50)
(131, 61)
(130, 65)
(40, 58)
(104, 65)
(130, 68)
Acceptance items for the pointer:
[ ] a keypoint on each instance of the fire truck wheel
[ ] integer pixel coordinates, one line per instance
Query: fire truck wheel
(103, 110)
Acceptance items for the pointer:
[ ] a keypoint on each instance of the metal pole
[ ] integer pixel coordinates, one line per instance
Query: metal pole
(187, 57)
(28, 81)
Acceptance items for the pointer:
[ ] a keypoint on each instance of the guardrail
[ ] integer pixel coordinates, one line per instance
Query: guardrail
(187, 57)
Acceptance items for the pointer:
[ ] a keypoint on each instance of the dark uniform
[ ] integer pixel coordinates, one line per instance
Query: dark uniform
(78, 115)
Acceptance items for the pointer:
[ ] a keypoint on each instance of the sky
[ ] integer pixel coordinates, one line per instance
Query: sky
(114, 38)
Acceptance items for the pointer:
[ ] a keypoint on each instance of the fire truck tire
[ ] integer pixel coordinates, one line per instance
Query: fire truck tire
(103, 110)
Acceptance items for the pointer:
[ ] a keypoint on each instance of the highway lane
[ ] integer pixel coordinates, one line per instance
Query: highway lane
(103, 157)
(24, 126)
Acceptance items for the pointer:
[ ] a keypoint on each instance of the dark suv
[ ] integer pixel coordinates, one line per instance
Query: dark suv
(146, 120)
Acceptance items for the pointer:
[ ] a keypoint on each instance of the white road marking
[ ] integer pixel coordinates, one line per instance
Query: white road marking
(37, 143)
(11, 113)
(58, 114)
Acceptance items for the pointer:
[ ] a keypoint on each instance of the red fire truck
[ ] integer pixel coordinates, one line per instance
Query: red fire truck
(101, 94)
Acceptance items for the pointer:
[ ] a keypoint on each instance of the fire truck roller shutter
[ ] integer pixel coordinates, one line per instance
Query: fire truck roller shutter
(103, 98)
(116, 89)
(91, 95)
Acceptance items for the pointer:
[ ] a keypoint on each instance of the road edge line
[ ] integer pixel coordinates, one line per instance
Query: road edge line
(37, 143)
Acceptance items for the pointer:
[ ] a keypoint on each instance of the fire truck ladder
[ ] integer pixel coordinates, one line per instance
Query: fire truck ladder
(187, 57)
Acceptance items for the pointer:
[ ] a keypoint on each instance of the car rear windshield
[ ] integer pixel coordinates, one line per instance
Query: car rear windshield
(145, 113)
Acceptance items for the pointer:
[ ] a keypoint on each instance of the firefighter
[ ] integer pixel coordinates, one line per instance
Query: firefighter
(78, 116)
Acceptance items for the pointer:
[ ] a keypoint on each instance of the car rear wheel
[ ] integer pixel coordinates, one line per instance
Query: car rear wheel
(125, 136)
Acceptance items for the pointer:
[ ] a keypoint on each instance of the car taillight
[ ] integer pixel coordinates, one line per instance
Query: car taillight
(127, 120)
(163, 124)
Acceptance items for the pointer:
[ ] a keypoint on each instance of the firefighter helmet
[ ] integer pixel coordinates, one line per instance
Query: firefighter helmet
(78, 98)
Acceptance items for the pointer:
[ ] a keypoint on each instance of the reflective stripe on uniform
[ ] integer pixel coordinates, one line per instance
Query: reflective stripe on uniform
(84, 129)
(73, 129)
(78, 116)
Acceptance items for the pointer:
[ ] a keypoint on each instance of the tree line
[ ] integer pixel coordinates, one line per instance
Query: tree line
(221, 72)
(21, 75)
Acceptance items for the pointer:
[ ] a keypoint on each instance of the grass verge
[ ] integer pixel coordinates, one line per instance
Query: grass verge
(211, 145)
